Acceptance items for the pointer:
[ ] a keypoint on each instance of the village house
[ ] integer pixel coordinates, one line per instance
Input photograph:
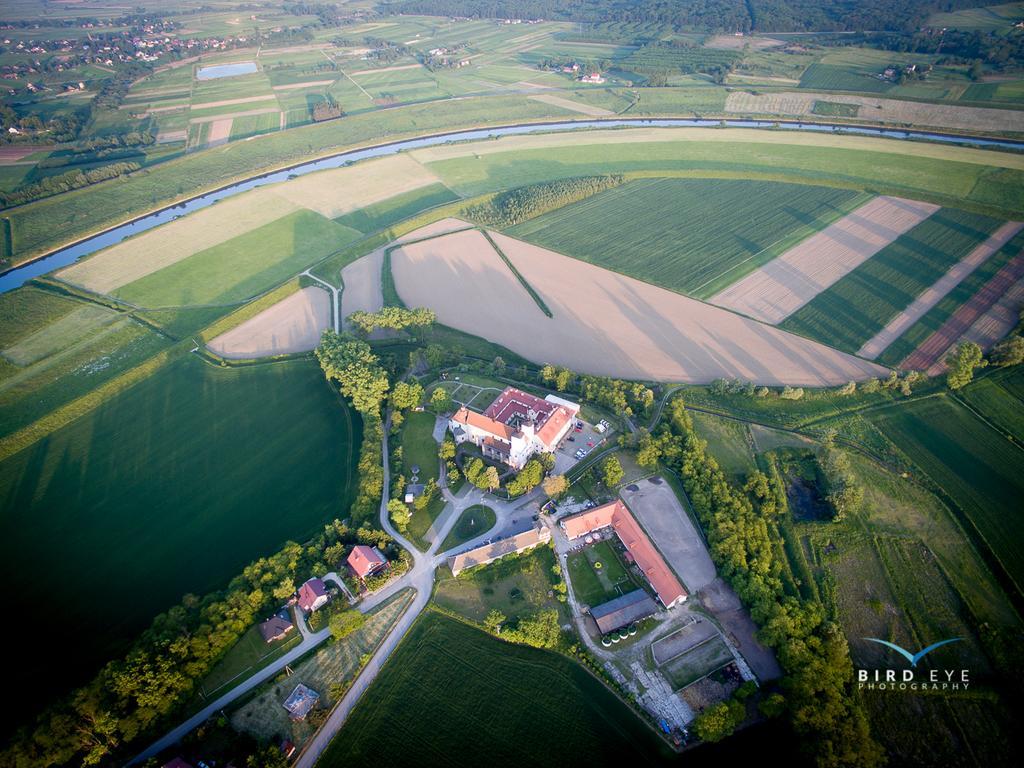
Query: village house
(593, 77)
(515, 426)
(276, 627)
(313, 595)
(365, 561)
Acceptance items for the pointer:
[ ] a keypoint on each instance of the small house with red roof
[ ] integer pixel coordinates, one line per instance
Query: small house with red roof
(366, 561)
(313, 595)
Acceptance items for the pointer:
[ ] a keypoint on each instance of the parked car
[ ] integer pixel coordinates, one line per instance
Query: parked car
(572, 439)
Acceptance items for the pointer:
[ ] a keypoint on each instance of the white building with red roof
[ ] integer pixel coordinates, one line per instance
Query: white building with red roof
(366, 561)
(313, 595)
(515, 426)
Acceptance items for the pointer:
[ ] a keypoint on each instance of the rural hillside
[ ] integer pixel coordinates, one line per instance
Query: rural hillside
(530, 383)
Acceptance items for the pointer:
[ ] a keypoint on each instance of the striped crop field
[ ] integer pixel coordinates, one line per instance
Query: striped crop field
(688, 235)
(976, 465)
(860, 304)
(941, 312)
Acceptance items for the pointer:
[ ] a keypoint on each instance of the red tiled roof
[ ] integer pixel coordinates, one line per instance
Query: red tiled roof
(309, 592)
(363, 560)
(485, 423)
(649, 560)
(553, 427)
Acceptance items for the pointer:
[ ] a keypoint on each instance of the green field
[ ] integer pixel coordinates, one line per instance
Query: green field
(489, 702)
(382, 215)
(168, 488)
(728, 442)
(831, 77)
(860, 304)
(692, 236)
(989, 18)
(473, 522)
(978, 467)
(997, 398)
(244, 266)
(937, 315)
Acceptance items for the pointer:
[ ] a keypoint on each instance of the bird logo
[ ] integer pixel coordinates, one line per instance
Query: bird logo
(913, 658)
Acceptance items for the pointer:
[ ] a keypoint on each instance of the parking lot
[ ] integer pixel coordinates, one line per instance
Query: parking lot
(586, 438)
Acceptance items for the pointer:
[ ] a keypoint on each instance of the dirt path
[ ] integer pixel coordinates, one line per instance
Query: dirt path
(231, 102)
(936, 292)
(294, 324)
(307, 84)
(233, 115)
(785, 284)
(928, 356)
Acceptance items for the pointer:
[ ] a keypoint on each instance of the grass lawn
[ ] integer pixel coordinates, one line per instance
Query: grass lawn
(500, 705)
(473, 522)
(728, 442)
(421, 522)
(976, 465)
(516, 586)
(418, 445)
(168, 488)
(24, 311)
(244, 265)
(997, 398)
(859, 305)
(246, 656)
(692, 236)
(598, 575)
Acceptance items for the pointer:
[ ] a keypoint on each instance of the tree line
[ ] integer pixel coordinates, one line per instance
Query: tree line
(515, 205)
(744, 541)
(65, 182)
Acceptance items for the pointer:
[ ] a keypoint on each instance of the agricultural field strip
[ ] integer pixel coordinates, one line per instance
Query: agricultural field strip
(604, 323)
(934, 294)
(294, 324)
(245, 113)
(880, 110)
(306, 84)
(232, 102)
(1001, 318)
(168, 244)
(778, 289)
(508, 144)
(330, 193)
(574, 106)
(928, 355)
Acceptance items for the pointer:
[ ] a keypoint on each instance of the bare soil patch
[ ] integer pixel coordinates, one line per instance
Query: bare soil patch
(575, 106)
(232, 115)
(13, 154)
(341, 190)
(298, 86)
(1001, 318)
(936, 292)
(881, 110)
(604, 323)
(364, 72)
(231, 102)
(739, 42)
(781, 287)
(362, 284)
(928, 356)
(293, 324)
(220, 132)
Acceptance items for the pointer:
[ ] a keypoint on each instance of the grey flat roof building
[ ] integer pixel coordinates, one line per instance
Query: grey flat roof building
(623, 611)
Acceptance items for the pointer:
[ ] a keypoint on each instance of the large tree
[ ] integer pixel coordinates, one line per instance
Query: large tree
(352, 364)
(962, 363)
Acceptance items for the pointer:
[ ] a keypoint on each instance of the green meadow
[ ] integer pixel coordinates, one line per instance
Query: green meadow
(168, 488)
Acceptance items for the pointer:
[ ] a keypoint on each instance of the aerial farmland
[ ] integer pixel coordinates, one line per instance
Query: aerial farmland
(645, 378)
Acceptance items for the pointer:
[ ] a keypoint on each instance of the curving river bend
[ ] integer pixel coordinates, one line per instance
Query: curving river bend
(62, 257)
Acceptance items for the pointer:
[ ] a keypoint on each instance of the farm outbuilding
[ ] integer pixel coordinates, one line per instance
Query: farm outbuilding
(623, 611)
(300, 701)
